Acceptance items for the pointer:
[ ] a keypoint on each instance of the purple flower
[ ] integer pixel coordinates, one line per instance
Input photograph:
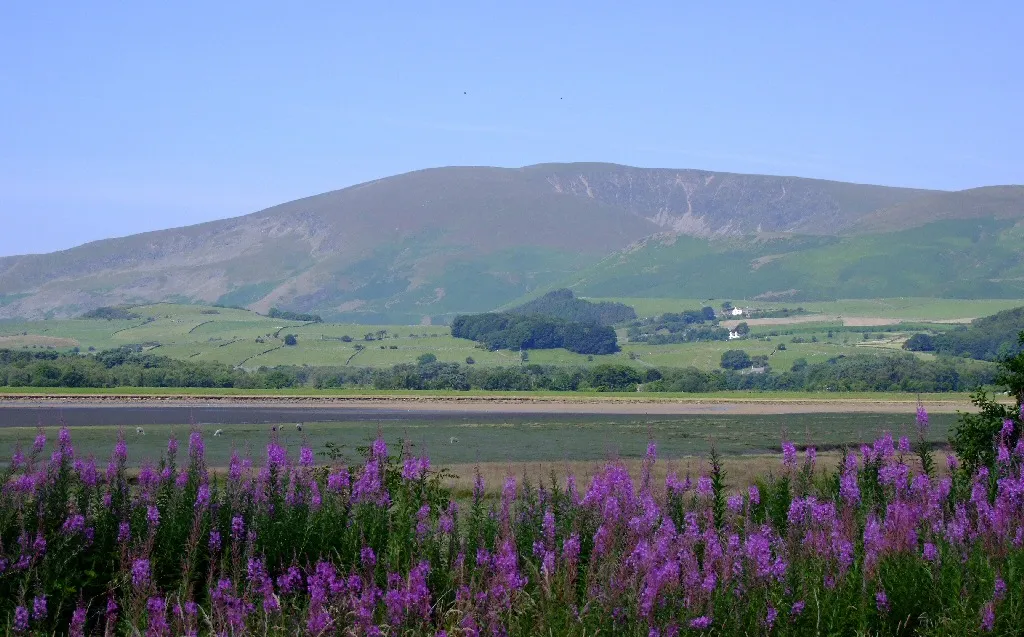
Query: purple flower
(196, 447)
(735, 503)
(415, 468)
(922, 419)
(39, 607)
(121, 449)
(77, 628)
(157, 608)
(306, 457)
(202, 497)
(798, 607)
(237, 527)
(704, 486)
(882, 602)
(788, 455)
(214, 542)
(1000, 589)
(277, 455)
(338, 480)
(39, 545)
(172, 446)
(700, 623)
(754, 494)
(74, 524)
(368, 557)
(140, 573)
(1007, 429)
(21, 616)
(988, 617)
(153, 516)
(904, 445)
(40, 442)
(951, 462)
(770, 617)
(123, 532)
(930, 552)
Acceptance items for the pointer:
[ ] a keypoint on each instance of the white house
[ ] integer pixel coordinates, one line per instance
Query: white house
(733, 335)
(736, 311)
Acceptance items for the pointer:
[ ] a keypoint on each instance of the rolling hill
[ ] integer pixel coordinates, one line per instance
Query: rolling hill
(423, 246)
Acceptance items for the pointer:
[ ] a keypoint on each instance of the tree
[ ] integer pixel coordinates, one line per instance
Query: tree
(743, 329)
(346, 339)
(426, 359)
(708, 312)
(611, 377)
(290, 340)
(735, 359)
(977, 435)
(920, 343)
(727, 307)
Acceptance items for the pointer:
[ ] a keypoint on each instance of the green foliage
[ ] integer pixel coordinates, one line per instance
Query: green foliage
(426, 359)
(610, 377)
(290, 340)
(562, 304)
(294, 316)
(735, 359)
(989, 338)
(976, 437)
(111, 314)
(516, 332)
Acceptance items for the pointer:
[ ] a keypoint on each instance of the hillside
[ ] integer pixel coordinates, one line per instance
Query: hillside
(993, 202)
(427, 245)
(946, 259)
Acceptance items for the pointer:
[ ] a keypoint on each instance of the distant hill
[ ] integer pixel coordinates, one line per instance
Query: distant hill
(430, 244)
(563, 304)
(993, 202)
(968, 259)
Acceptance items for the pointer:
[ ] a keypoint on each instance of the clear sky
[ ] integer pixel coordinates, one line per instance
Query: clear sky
(117, 118)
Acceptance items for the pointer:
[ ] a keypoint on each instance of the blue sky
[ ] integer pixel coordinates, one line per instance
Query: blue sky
(117, 118)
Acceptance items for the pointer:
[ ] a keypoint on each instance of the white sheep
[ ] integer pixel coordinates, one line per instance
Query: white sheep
(452, 440)
(139, 431)
(298, 426)
(219, 432)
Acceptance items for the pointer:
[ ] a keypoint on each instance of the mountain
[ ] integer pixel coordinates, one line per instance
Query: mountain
(991, 202)
(432, 243)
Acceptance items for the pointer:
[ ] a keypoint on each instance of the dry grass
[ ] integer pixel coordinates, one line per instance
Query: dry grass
(30, 340)
(740, 471)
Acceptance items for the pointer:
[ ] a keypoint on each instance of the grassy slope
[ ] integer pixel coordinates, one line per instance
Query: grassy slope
(184, 331)
(948, 259)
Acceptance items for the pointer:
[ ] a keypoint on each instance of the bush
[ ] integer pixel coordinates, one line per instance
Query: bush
(290, 340)
(735, 359)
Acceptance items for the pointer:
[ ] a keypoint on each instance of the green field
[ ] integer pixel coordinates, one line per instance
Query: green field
(246, 339)
(905, 308)
(504, 438)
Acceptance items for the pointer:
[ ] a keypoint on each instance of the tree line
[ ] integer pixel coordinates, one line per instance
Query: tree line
(990, 338)
(131, 367)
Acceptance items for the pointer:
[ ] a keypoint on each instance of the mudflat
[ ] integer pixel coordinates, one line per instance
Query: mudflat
(471, 404)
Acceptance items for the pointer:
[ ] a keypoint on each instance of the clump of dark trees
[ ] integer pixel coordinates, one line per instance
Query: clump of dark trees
(563, 304)
(991, 338)
(294, 316)
(678, 327)
(504, 330)
(111, 314)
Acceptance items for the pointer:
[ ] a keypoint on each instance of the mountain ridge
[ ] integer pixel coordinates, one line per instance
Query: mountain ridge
(440, 241)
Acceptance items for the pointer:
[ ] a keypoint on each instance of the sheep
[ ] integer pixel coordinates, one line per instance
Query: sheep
(298, 426)
(219, 432)
(139, 431)
(452, 440)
